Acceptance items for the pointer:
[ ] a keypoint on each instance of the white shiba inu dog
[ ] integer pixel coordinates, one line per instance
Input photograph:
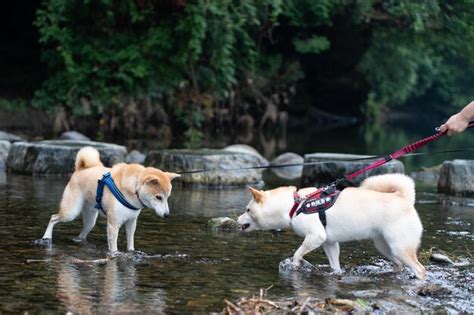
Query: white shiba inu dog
(381, 209)
(141, 186)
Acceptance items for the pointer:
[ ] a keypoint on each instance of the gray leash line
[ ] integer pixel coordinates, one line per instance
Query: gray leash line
(372, 157)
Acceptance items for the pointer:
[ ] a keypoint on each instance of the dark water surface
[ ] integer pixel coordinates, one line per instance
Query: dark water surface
(182, 267)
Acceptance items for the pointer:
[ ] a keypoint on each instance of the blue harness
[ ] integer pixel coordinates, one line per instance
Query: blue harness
(108, 181)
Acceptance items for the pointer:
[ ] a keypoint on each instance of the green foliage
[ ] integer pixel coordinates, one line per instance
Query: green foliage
(314, 45)
(419, 47)
(13, 105)
(194, 54)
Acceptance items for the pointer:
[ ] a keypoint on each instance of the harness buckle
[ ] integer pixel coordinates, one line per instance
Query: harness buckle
(297, 198)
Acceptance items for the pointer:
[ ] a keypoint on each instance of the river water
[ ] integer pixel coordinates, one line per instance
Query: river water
(181, 267)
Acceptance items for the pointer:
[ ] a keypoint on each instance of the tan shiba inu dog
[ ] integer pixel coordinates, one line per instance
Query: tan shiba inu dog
(141, 186)
(381, 209)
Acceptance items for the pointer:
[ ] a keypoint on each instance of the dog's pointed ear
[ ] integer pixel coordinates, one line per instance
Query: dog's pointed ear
(172, 176)
(258, 195)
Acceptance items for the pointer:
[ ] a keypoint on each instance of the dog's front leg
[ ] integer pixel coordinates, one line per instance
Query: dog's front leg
(130, 227)
(310, 243)
(112, 236)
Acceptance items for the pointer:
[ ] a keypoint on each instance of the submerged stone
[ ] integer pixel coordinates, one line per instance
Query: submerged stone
(332, 166)
(288, 265)
(223, 224)
(213, 166)
(57, 156)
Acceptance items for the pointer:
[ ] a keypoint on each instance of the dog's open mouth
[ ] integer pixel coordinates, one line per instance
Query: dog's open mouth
(245, 226)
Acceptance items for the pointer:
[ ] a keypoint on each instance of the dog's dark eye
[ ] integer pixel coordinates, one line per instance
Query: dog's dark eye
(159, 198)
(248, 209)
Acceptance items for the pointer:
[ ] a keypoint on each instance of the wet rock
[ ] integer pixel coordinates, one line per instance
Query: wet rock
(10, 137)
(457, 202)
(243, 148)
(440, 258)
(215, 162)
(433, 290)
(4, 149)
(135, 156)
(73, 135)
(336, 165)
(456, 178)
(284, 175)
(346, 305)
(223, 224)
(427, 175)
(288, 265)
(57, 156)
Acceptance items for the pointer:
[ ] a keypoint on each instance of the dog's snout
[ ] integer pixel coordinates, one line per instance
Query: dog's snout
(166, 215)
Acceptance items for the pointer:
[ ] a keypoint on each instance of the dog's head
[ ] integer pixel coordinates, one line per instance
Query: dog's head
(265, 211)
(250, 219)
(155, 188)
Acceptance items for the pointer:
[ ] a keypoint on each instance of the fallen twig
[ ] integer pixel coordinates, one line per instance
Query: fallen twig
(74, 261)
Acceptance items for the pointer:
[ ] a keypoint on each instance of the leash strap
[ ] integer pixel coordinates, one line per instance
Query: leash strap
(108, 181)
(399, 153)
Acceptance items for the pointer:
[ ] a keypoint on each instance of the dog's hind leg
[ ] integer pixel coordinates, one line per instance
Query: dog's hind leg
(310, 243)
(332, 252)
(89, 217)
(408, 256)
(48, 234)
(70, 207)
(384, 249)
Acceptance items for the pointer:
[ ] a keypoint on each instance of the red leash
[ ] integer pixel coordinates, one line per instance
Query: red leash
(395, 155)
(399, 153)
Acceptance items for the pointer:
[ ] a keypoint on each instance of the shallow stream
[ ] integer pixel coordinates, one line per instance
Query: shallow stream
(181, 267)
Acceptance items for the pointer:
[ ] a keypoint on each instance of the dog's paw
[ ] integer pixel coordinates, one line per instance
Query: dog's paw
(43, 242)
(114, 254)
(79, 240)
(338, 272)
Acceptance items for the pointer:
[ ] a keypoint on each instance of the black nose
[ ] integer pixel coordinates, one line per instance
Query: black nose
(166, 215)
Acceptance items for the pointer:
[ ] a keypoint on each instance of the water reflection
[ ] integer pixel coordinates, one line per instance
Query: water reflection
(109, 288)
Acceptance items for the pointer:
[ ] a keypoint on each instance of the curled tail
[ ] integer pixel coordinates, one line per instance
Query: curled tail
(87, 157)
(387, 183)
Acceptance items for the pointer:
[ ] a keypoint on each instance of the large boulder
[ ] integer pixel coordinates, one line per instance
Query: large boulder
(74, 135)
(243, 148)
(290, 175)
(427, 175)
(135, 156)
(9, 137)
(332, 166)
(208, 159)
(57, 156)
(456, 178)
(4, 150)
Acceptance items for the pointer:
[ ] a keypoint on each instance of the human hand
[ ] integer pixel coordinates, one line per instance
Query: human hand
(455, 124)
